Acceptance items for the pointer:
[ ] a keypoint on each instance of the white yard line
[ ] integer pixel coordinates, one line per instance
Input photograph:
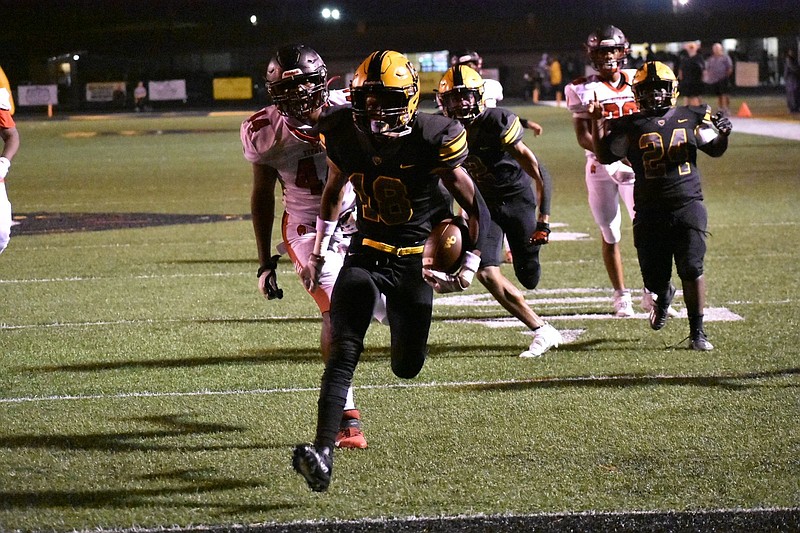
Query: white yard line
(386, 386)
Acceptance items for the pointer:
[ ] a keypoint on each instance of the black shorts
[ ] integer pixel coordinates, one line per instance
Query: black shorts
(661, 236)
(690, 89)
(719, 88)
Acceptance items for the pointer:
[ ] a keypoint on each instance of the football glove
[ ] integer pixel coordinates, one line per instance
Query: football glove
(5, 164)
(456, 282)
(311, 271)
(268, 279)
(722, 123)
(542, 233)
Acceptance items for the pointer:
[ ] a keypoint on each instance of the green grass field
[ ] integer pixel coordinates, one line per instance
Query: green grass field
(145, 383)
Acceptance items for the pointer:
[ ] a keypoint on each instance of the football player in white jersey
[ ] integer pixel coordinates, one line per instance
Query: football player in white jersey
(607, 184)
(10, 137)
(281, 143)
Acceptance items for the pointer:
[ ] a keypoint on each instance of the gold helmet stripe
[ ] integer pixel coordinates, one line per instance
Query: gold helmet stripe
(374, 68)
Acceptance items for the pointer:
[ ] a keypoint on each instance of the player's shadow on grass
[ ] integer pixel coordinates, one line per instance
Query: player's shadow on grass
(170, 426)
(182, 482)
(256, 357)
(729, 381)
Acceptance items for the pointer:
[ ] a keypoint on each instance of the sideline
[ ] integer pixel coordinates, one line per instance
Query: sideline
(778, 128)
(769, 128)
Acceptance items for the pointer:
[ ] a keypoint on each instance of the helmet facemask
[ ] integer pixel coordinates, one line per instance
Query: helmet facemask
(655, 87)
(462, 103)
(653, 96)
(385, 95)
(608, 50)
(300, 95)
(380, 110)
(460, 94)
(608, 59)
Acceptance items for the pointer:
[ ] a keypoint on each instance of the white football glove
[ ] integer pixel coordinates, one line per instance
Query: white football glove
(456, 282)
(5, 164)
(312, 271)
(268, 279)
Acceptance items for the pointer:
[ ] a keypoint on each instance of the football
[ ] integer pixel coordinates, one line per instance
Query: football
(445, 246)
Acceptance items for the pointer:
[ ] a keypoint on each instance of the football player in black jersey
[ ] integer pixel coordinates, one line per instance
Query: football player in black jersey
(394, 157)
(503, 166)
(661, 142)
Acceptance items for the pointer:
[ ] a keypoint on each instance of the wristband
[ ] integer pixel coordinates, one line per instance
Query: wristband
(271, 264)
(326, 227)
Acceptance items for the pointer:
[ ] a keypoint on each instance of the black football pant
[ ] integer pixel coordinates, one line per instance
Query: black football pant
(660, 236)
(366, 274)
(516, 218)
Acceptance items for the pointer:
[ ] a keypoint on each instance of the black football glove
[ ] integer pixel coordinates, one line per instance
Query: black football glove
(542, 233)
(722, 123)
(268, 279)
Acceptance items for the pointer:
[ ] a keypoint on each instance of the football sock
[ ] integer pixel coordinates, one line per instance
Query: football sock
(350, 402)
(695, 324)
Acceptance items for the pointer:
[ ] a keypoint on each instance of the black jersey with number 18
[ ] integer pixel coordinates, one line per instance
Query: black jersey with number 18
(399, 198)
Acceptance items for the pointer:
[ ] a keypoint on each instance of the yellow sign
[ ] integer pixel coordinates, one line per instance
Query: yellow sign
(7, 86)
(233, 88)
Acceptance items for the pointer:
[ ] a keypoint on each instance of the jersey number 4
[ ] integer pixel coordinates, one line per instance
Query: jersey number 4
(386, 203)
(656, 156)
(307, 177)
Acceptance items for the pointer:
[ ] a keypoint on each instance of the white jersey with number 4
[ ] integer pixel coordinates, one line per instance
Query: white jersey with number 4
(296, 153)
(616, 100)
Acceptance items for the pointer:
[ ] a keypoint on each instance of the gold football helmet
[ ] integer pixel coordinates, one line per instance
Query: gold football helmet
(460, 93)
(655, 87)
(385, 94)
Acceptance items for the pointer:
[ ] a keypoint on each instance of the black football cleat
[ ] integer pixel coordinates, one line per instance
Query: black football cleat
(314, 465)
(660, 311)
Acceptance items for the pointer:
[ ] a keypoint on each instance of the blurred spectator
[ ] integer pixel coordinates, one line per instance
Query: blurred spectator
(791, 78)
(139, 96)
(717, 75)
(538, 81)
(544, 71)
(690, 74)
(527, 87)
(10, 136)
(556, 79)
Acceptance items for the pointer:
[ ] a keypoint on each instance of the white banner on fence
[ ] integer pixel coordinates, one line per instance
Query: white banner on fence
(105, 91)
(167, 90)
(746, 74)
(37, 95)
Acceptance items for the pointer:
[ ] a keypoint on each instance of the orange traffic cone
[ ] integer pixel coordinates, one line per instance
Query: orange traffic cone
(744, 111)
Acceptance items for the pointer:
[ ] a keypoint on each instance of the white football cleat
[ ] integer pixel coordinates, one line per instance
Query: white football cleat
(544, 338)
(623, 306)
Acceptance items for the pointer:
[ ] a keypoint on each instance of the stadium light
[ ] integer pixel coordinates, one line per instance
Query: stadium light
(331, 13)
(76, 57)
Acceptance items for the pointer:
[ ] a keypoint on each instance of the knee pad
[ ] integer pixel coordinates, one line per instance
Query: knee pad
(407, 366)
(612, 233)
(529, 277)
(689, 272)
(5, 237)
